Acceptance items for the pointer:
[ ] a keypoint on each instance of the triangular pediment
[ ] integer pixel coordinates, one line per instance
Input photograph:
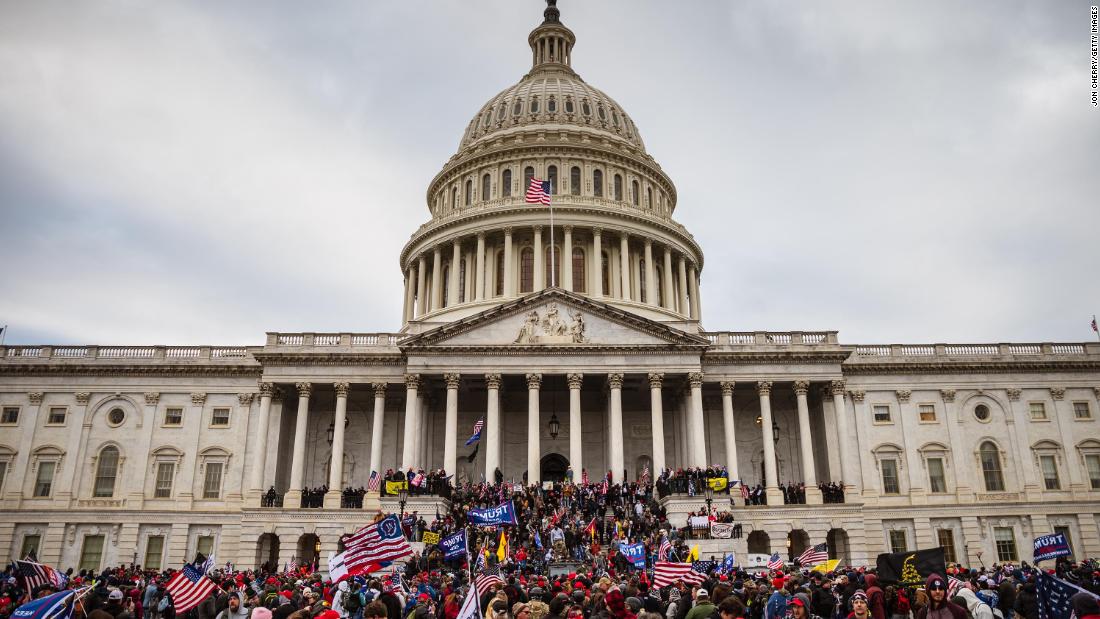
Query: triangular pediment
(553, 318)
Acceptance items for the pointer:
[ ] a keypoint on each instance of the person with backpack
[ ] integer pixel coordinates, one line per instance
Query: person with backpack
(353, 601)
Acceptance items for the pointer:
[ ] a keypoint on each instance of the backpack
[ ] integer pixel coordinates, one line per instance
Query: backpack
(165, 602)
(353, 601)
(903, 604)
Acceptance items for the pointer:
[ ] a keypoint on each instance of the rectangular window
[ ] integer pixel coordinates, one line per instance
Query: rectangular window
(881, 413)
(154, 550)
(57, 416)
(1081, 410)
(946, 538)
(1006, 544)
(220, 417)
(937, 481)
(10, 415)
(927, 412)
(897, 541)
(30, 545)
(91, 553)
(165, 472)
(3, 474)
(890, 477)
(1092, 464)
(205, 545)
(173, 416)
(212, 484)
(43, 483)
(1049, 466)
(1038, 410)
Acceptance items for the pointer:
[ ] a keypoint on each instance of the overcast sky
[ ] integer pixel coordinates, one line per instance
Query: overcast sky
(203, 172)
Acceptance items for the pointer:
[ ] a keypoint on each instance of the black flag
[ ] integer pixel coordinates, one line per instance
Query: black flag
(909, 568)
(473, 454)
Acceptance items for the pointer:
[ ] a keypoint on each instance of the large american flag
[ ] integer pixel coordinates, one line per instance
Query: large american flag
(189, 587)
(668, 572)
(486, 579)
(374, 482)
(538, 192)
(35, 575)
(814, 554)
(775, 561)
(376, 543)
(1054, 596)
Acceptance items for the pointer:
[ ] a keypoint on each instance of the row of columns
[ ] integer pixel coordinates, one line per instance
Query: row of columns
(423, 295)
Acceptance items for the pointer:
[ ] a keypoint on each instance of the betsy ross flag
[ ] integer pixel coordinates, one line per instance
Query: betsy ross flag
(476, 435)
(54, 606)
(775, 562)
(374, 482)
(36, 575)
(814, 554)
(538, 192)
(189, 587)
(486, 579)
(667, 573)
(375, 544)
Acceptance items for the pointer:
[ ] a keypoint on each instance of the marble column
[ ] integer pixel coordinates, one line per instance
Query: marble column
(407, 311)
(452, 286)
(492, 426)
(336, 465)
(408, 445)
(298, 461)
(805, 441)
(479, 274)
(657, 422)
(764, 389)
(421, 283)
(509, 280)
(698, 434)
(615, 382)
(685, 306)
(377, 427)
(666, 280)
(624, 268)
(566, 259)
(651, 294)
(730, 432)
(437, 278)
(539, 280)
(597, 265)
(534, 448)
(693, 289)
(849, 472)
(576, 436)
(450, 444)
(259, 456)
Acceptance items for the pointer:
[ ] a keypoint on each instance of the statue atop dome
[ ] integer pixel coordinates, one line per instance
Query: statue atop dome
(551, 15)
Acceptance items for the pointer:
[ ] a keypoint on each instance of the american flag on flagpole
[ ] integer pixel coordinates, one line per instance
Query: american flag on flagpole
(744, 491)
(374, 482)
(35, 575)
(667, 573)
(814, 554)
(486, 579)
(189, 587)
(538, 192)
(663, 550)
(475, 436)
(376, 543)
(775, 561)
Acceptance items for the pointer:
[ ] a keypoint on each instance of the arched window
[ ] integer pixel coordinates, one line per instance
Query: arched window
(578, 270)
(634, 192)
(454, 197)
(469, 192)
(991, 467)
(551, 105)
(462, 281)
(500, 111)
(552, 176)
(605, 273)
(485, 189)
(554, 277)
(648, 197)
(568, 106)
(602, 113)
(446, 285)
(575, 181)
(500, 273)
(528, 174)
(106, 471)
(527, 270)
(585, 108)
(506, 183)
(641, 281)
(534, 105)
(597, 183)
(517, 109)
(618, 187)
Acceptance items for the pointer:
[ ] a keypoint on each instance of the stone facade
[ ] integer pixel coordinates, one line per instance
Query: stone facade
(114, 454)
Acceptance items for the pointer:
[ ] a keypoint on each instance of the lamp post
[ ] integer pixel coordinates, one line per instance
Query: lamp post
(332, 429)
(708, 492)
(555, 426)
(402, 497)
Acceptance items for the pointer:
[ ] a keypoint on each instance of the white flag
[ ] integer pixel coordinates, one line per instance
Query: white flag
(471, 608)
(337, 571)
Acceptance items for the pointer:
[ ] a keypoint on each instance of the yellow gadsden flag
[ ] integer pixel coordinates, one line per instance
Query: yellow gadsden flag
(430, 538)
(393, 486)
(502, 549)
(693, 555)
(827, 566)
(718, 484)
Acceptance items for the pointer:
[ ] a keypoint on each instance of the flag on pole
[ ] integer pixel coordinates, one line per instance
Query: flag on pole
(486, 579)
(827, 566)
(775, 561)
(814, 554)
(207, 564)
(693, 555)
(502, 548)
(189, 587)
(375, 544)
(1094, 327)
(54, 606)
(471, 607)
(476, 435)
(337, 569)
(667, 573)
(1054, 596)
(591, 528)
(36, 575)
(662, 552)
(538, 192)
(374, 482)
(744, 491)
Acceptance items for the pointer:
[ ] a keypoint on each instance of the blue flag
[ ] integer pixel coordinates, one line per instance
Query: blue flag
(454, 545)
(727, 564)
(55, 606)
(1054, 595)
(1051, 547)
(635, 553)
(505, 513)
(476, 436)
(538, 540)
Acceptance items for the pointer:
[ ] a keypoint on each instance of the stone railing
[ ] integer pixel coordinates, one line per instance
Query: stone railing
(771, 338)
(333, 340)
(975, 350)
(204, 353)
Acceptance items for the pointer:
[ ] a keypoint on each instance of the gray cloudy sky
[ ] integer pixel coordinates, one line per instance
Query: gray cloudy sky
(203, 172)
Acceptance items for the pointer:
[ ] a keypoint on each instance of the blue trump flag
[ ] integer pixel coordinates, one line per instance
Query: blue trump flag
(454, 545)
(505, 513)
(635, 553)
(55, 606)
(1054, 596)
(1051, 547)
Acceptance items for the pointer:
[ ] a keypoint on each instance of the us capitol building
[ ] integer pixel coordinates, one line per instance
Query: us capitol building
(580, 345)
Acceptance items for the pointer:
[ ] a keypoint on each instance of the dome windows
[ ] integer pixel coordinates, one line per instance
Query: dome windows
(485, 119)
(615, 118)
(602, 113)
(551, 105)
(454, 197)
(517, 109)
(618, 188)
(568, 105)
(634, 192)
(597, 183)
(534, 105)
(552, 176)
(485, 181)
(585, 108)
(506, 183)
(501, 111)
(527, 270)
(575, 181)
(468, 193)
(528, 174)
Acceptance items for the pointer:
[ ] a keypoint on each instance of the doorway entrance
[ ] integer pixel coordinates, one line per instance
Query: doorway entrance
(553, 467)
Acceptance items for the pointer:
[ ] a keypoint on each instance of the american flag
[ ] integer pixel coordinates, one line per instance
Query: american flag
(376, 543)
(584, 477)
(744, 491)
(486, 579)
(1094, 326)
(667, 573)
(775, 561)
(374, 482)
(814, 554)
(475, 436)
(645, 476)
(664, 549)
(953, 586)
(189, 587)
(538, 192)
(1054, 596)
(603, 490)
(35, 575)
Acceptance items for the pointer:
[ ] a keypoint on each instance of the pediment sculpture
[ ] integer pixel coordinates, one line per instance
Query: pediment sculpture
(551, 329)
